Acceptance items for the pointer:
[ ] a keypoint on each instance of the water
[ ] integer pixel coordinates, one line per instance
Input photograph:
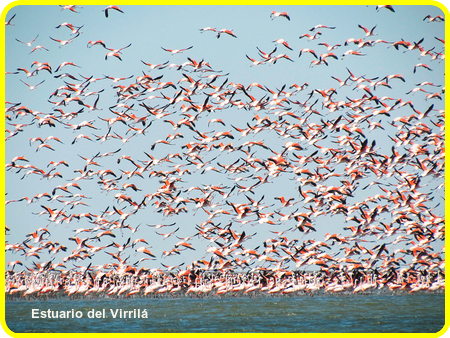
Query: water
(354, 313)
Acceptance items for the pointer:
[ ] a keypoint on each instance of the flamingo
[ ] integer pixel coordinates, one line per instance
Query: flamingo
(65, 42)
(29, 74)
(368, 33)
(13, 264)
(38, 48)
(389, 7)
(320, 26)
(274, 15)
(352, 52)
(421, 65)
(116, 8)
(64, 64)
(116, 52)
(208, 29)
(330, 48)
(311, 37)
(312, 287)
(167, 235)
(437, 18)
(9, 22)
(255, 62)
(176, 51)
(145, 251)
(72, 8)
(95, 43)
(33, 87)
(226, 31)
(283, 42)
(71, 27)
(28, 43)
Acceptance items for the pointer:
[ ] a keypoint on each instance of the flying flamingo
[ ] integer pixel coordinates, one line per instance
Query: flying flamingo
(283, 42)
(72, 8)
(94, 43)
(8, 23)
(311, 37)
(208, 29)
(33, 87)
(111, 7)
(115, 52)
(389, 7)
(66, 64)
(176, 51)
(28, 43)
(65, 42)
(274, 15)
(352, 52)
(226, 31)
(255, 62)
(320, 26)
(421, 65)
(438, 18)
(368, 33)
(37, 48)
(71, 27)
(330, 48)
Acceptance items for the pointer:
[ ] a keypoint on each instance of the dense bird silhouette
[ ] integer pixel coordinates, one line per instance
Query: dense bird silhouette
(247, 185)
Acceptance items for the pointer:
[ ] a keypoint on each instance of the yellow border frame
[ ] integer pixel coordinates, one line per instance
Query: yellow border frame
(234, 3)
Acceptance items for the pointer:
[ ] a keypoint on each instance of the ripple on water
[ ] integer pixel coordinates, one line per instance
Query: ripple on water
(373, 313)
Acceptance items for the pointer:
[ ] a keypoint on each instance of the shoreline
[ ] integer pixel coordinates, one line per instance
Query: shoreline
(207, 284)
(213, 295)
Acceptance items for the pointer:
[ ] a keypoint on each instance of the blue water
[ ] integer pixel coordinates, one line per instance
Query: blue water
(354, 313)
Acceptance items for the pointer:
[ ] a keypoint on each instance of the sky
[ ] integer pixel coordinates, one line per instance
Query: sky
(148, 30)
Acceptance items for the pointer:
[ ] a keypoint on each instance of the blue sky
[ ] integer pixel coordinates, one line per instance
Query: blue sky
(147, 29)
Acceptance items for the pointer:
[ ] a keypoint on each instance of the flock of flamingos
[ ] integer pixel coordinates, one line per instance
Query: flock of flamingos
(236, 142)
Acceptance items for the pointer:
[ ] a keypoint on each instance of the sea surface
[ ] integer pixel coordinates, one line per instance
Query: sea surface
(322, 313)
